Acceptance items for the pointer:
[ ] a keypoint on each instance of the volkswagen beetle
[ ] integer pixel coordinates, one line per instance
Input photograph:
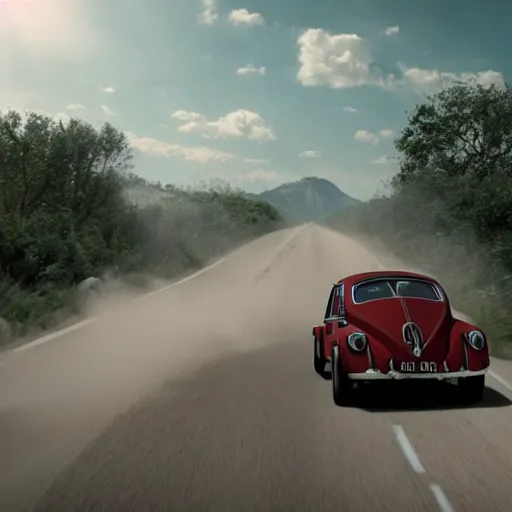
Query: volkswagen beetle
(396, 325)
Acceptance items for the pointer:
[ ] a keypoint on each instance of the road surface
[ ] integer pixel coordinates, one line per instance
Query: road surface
(202, 397)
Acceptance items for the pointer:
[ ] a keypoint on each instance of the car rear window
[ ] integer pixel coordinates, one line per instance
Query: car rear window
(373, 290)
(387, 288)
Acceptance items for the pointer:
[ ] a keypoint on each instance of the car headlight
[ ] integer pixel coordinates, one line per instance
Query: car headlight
(476, 339)
(357, 341)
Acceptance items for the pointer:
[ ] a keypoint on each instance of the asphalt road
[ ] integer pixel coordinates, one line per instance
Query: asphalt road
(202, 397)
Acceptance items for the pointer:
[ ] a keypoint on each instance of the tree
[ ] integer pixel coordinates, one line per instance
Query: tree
(44, 164)
(60, 189)
(463, 130)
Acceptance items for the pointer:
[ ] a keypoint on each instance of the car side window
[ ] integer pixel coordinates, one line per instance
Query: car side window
(336, 304)
(329, 304)
(341, 301)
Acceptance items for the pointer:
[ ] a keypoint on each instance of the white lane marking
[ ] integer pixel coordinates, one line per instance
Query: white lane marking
(408, 450)
(184, 280)
(417, 466)
(504, 382)
(53, 335)
(88, 321)
(442, 500)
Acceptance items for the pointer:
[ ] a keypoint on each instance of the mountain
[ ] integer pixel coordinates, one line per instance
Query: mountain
(308, 199)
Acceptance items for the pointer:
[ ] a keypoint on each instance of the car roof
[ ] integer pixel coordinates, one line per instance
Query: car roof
(364, 276)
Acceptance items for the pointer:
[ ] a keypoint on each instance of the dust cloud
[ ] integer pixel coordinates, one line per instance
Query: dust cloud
(136, 343)
(57, 397)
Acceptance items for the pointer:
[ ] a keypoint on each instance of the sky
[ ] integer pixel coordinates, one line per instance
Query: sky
(253, 92)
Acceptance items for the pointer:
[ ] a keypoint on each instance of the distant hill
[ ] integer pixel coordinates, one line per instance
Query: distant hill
(309, 199)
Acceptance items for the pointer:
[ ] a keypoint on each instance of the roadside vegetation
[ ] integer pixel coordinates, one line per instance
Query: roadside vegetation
(449, 208)
(71, 209)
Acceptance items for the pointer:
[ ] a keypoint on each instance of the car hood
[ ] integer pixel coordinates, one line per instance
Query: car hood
(384, 319)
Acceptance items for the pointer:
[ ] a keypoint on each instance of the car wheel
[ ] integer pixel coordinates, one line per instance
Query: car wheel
(472, 388)
(341, 385)
(319, 360)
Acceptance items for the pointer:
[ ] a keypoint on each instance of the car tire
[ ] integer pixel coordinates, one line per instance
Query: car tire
(319, 360)
(471, 389)
(341, 385)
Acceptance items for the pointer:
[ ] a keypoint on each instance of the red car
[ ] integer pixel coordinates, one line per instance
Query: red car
(396, 325)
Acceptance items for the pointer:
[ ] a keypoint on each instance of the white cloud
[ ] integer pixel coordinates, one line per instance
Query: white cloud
(158, 148)
(240, 124)
(381, 160)
(75, 106)
(256, 161)
(244, 17)
(338, 61)
(184, 115)
(210, 12)
(372, 138)
(108, 89)
(60, 116)
(251, 70)
(366, 136)
(107, 111)
(432, 79)
(350, 109)
(262, 175)
(309, 154)
(341, 61)
(392, 30)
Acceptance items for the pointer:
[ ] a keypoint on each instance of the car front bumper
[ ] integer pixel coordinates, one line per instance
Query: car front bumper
(396, 375)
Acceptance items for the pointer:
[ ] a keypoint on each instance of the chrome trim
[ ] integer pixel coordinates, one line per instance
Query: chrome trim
(468, 339)
(318, 349)
(341, 295)
(437, 288)
(369, 355)
(416, 342)
(395, 375)
(350, 343)
(333, 319)
(466, 356)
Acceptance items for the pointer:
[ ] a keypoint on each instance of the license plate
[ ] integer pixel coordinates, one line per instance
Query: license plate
(418, 367)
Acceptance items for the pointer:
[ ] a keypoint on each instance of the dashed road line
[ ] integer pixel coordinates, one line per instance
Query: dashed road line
(408, 450)
(440, 496)
(415, 462)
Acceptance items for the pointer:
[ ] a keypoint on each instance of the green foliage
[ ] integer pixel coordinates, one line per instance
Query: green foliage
(450, 206)
(69, 210)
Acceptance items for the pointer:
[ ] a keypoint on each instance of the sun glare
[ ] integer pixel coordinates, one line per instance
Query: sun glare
(14, 3)
(43, 25)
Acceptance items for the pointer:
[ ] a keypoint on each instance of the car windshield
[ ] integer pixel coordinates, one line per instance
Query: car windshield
(387, 288)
